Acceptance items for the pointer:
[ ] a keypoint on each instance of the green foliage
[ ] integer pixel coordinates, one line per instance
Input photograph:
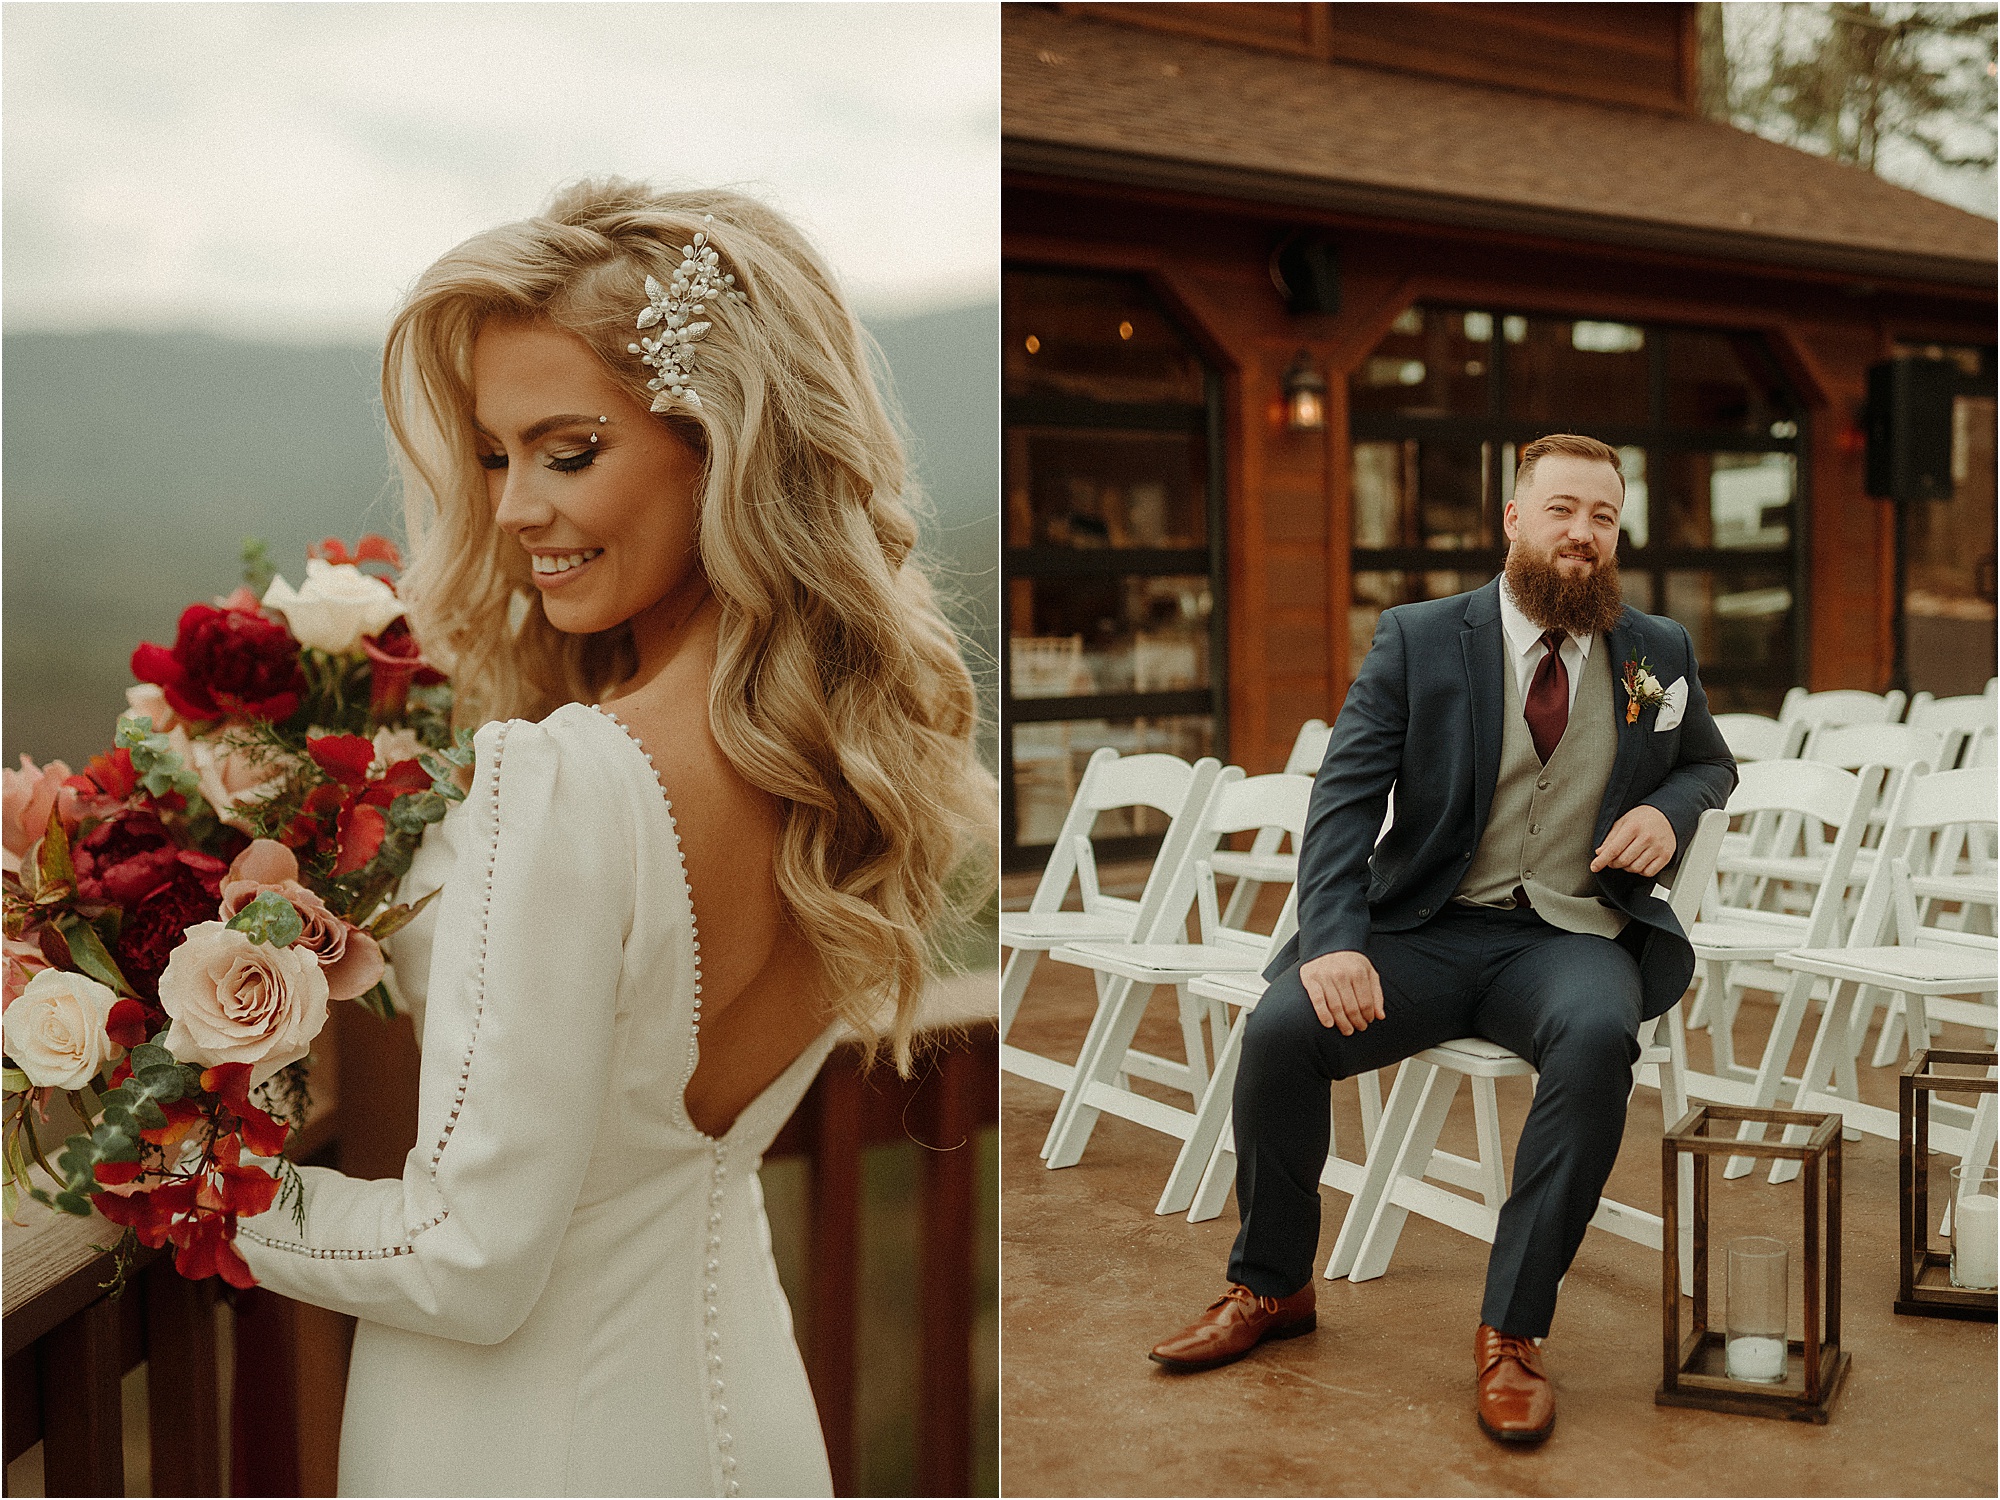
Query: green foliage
(258, 569)
(160, 768)
(269, 919)
(88, 950)
(1845, 80)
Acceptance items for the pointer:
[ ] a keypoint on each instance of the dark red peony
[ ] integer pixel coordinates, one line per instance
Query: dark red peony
(191, 893)
(228, 662)
(124, 858)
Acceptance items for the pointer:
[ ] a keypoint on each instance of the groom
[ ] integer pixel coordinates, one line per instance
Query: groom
(1549, 749)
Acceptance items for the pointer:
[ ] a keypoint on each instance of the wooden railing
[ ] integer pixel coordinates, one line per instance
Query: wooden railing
(68, 1343)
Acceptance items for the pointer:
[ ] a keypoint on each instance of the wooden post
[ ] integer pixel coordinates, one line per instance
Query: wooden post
(82, 1433)
(182, 1390)
(944, 1409)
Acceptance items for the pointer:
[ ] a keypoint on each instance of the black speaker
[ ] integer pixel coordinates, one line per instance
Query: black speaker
(1306, 271)
(1909, 429)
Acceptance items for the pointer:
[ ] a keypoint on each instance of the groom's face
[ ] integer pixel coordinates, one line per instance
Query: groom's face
(1566, 515)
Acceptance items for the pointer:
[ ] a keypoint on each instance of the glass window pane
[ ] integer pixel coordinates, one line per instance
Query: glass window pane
(1738, 619)
(1049, 760)
(1421, 494)
(1377, 589)
(1101, 338)
(1725, 380)
(1094, 490)
(1077, 636)
(1727, 501)
(1576, 374)
(1432, 362)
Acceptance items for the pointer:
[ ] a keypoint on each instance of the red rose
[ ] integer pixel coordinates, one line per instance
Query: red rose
(155, 927)
(396, 660)
(226, 662)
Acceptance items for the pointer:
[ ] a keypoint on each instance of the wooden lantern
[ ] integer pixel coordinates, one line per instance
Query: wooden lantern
(1695, 1370)
(1924, 1287)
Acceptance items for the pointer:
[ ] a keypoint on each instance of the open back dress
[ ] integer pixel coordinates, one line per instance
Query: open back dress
(570, 1290)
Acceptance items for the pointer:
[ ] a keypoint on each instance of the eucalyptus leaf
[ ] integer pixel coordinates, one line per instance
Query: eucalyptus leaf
(162, 1084)
(70, 1201)
(269, 919)
(151, 1055)
(149, 1115)
(114, 1144)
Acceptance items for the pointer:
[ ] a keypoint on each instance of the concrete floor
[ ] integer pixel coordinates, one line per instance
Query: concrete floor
(1379, 1400)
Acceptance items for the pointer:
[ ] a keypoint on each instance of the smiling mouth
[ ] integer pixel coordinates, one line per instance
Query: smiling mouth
(563, 562)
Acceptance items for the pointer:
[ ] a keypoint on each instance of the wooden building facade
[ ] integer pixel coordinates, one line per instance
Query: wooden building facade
(1287, 286)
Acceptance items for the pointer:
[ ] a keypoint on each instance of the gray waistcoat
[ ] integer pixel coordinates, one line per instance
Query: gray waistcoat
(1538, 834)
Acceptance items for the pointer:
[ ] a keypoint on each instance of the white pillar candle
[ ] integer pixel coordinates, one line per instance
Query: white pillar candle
(1753, 1358)
(1975, 1242)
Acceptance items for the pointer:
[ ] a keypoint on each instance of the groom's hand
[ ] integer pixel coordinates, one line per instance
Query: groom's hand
(1344, 989)
(1642, 841)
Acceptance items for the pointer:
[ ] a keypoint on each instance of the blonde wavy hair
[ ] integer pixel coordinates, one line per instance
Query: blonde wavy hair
(838, 685)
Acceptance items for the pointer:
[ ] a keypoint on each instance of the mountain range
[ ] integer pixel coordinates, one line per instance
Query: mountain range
(135, 466)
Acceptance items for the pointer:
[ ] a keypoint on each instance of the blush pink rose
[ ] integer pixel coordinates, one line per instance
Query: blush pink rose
(148, 700)
(230, 778)
(351, 958)
(23, 961)
(234, 1000)
(27, 797)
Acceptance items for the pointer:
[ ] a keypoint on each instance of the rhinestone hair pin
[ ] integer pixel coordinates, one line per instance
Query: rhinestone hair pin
(676, 310)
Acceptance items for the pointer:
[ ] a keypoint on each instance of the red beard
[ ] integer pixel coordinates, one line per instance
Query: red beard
(1586, 604)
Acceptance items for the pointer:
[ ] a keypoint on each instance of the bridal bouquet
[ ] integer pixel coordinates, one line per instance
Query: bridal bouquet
(179, 914)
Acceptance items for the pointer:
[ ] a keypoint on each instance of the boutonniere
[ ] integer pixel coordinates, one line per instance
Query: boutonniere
(1642, 688)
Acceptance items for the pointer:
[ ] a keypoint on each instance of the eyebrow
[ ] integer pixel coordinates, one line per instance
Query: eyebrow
(1579, 500)
(542, 428)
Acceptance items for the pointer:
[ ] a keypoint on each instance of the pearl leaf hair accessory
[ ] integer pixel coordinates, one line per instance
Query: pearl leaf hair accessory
(676, 310)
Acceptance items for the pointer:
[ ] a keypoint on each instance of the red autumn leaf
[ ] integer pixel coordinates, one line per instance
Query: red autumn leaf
(113, 773)
(404, 778)
(205, 1250)
(149, 1215)
(118, 1173)
(362, 829)
(262, 1133)
(330, 550)
(126, 1025)
(344, 757)
(229, 1082)
(247, 1190)
(184, 1117)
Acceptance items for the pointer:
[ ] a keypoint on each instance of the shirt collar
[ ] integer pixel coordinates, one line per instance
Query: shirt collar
(1523, 634)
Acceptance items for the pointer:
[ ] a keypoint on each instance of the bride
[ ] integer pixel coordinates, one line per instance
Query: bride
(659, 533)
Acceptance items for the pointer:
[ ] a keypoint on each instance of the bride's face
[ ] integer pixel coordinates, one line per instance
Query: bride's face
(595, 488)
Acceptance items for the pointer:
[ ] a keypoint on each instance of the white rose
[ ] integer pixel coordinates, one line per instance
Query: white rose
(1648, 683)
(55, 1029)
(393, 745)
(235, 1000)
(338, 605)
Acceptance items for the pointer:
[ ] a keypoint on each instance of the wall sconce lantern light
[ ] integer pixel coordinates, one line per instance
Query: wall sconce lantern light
(1957, 1282)
(1748, 1365)
(1305, 396)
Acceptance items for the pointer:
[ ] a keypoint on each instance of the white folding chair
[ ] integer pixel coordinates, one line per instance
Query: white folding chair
(1405, 1150)
(1841, 706)
(1735, 941)
(1924, 807)
(1131, 972)
(1263, 863)
(1753, 737)
(1965, 717)
(1163, 782)
(1927, 966)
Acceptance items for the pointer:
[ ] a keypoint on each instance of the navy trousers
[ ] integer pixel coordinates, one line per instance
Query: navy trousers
(1567, 1002)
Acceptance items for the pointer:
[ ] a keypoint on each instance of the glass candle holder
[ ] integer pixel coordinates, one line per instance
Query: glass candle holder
(1975, 1228)
(1759, 1290)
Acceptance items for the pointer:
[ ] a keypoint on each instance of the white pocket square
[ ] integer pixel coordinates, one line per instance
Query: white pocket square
(1669, 716)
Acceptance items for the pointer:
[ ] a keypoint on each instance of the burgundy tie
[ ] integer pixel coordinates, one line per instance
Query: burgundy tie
(1547, 710)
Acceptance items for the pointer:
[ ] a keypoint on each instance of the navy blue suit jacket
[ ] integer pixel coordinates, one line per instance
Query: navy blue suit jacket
(1423, 716)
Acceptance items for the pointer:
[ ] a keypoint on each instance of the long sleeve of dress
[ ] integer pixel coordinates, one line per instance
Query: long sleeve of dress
(521, 998)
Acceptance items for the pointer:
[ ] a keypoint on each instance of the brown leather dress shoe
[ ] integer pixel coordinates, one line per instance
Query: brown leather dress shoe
(1235, 1323)
(1516, 1402)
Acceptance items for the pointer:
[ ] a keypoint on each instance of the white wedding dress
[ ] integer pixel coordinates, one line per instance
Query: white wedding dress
(570, 1290)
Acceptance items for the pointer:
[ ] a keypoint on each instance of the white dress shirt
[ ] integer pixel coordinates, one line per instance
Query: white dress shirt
(1524, 646)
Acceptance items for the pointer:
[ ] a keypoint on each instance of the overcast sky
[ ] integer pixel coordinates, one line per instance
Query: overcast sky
(286, 169)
